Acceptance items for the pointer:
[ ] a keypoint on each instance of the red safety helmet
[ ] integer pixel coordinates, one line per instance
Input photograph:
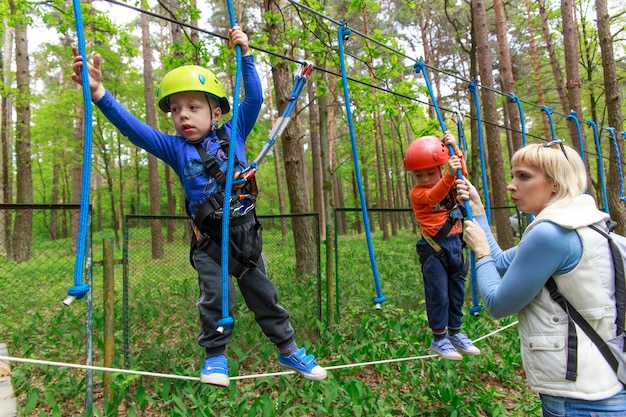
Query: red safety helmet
(425, 152)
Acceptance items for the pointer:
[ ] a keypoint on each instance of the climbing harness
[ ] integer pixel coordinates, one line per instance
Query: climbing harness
(596, 138)
(572, 116)
(299, 81)
(212, 208)
(209, 214)
(342, 33)
(611, 130)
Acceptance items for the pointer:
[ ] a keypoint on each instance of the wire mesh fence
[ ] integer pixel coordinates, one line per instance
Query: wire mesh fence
(160, 291)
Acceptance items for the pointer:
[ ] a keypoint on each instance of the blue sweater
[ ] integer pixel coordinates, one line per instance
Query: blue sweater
(512, 278)
(182, 156)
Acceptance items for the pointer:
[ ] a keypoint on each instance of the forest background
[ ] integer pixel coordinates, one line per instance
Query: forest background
(555, 57)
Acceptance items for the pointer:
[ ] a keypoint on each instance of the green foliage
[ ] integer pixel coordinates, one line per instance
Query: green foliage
(379, 359)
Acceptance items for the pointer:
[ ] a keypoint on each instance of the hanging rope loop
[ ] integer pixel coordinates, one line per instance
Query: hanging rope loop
(611, 131)
(79, 290)
(342, 32)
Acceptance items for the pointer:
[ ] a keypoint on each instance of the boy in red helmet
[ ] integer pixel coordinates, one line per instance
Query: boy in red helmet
(440, 247)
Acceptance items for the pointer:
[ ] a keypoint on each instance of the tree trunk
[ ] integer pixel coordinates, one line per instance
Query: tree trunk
(614, 111)
(572, 56)
(316, 157)
(506, 74)
(496, 166)
(293, 155)
(535, 60)
(23, 229)
(277, 172)
(6, 144)
(554, 63)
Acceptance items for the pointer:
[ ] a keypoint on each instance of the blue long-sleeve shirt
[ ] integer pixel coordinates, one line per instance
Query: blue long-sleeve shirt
(510, 279)
(183, 156)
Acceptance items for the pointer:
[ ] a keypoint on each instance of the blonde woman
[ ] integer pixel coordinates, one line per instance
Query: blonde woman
(549, 181)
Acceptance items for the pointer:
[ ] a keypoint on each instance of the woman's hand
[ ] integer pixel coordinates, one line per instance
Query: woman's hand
(465, 190)
(476, 238)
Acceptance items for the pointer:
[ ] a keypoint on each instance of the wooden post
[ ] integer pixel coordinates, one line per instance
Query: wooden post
(109, 306)
(8, 404)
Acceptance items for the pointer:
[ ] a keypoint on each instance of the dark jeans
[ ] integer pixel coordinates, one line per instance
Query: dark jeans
(444, 291)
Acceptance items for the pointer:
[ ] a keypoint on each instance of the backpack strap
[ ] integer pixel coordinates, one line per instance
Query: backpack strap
(572, 339)
(574, 316)
(620, 283)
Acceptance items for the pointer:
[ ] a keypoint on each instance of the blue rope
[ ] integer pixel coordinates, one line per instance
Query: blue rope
(472, 87)
(600, 164)
(227, 321)
(79, 289)
(548, 111)
(343, 31)
(619, 161)
(420, 67)
(572, 116)
(300, 80)
(460, 133)
(514, 99)
(481, 148)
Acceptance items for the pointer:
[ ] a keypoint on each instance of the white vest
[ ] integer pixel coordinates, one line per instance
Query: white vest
(590, 288)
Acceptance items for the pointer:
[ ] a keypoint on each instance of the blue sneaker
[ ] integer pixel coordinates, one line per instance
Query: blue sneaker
(462, 343)
(215, 371)
(445, 349)
(304, 364)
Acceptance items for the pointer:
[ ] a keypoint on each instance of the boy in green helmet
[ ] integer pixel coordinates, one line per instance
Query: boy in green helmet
(198, 153)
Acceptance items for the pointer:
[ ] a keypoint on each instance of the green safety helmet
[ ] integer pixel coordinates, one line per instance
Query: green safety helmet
(191, 78)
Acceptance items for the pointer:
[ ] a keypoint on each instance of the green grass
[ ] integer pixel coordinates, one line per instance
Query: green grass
(163, 325)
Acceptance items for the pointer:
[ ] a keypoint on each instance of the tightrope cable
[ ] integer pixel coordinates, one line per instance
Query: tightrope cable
(240, 377)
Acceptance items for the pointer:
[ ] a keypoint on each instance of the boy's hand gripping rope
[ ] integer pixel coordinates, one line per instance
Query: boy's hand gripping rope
(343, 31)
(79, 289)
(306, 68)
